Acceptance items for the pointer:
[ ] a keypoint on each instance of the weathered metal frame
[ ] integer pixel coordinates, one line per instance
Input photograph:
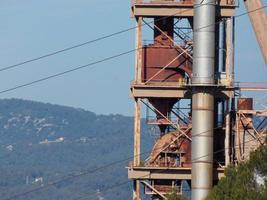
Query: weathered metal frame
(165, 173)
(175, 10)
(166, 118)
(152, 188)
(140, 91)
(241, 130)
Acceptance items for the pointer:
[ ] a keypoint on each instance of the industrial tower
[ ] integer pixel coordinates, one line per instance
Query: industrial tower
(187, 83)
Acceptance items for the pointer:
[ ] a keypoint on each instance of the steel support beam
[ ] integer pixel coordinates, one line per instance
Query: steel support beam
(137, 146)
(258, 20)
(227, 134)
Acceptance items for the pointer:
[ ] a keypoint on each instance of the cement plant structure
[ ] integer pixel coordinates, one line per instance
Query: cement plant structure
(188, 85)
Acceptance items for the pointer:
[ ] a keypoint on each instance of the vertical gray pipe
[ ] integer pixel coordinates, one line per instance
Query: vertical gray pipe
(204, 42)
(203, 99)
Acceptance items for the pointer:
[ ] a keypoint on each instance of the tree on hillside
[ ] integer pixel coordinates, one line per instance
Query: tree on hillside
(247, 181)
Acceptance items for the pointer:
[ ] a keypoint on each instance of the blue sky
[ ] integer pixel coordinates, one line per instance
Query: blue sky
(31, 28)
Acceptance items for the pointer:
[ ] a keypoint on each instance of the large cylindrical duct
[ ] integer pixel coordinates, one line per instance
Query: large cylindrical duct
(202, 144)
(204, 42)
(203, 99)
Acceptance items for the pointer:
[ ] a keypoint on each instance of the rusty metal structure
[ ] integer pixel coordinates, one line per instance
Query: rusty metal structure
(184, 77)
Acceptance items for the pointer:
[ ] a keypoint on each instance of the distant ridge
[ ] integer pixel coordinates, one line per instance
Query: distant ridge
(42, 142)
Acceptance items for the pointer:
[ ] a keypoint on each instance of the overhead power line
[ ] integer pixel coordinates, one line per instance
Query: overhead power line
(64, 50)
(86, 43)
(67, 71)
(97, 62)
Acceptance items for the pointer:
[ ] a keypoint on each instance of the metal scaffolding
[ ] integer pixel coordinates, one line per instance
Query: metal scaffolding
(189, 60)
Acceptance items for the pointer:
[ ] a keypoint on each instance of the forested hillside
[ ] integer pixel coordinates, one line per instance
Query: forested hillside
(42, 143)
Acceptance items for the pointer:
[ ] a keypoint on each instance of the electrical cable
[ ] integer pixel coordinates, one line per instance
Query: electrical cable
(88, 42)
(94, 63)
(67, 71)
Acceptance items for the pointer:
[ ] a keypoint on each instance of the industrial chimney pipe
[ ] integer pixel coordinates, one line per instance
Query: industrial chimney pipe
(202, 98)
